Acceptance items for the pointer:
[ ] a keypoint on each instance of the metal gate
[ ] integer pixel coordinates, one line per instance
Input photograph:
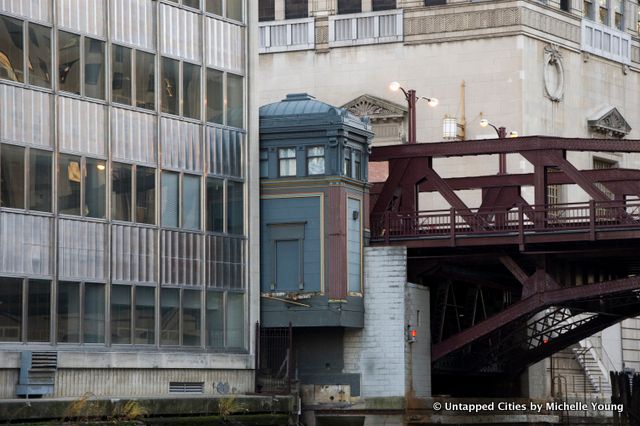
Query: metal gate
(274, 364)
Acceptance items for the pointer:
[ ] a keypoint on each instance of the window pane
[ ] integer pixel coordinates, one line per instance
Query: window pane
(68, 312)
(214, 96)
(145, 80)
(215, 205)
(12, 48)
(191, 90)
(264, 163)
(93, 318)
(215, 319)
(169, 316)
(40, 185)
(191, 202)
(383, 4)
(315, 160)
(121, 192)
(191, 318)
(12, 176)
(266, 10)
(38, 311)
(234, 9)
(170, 199)
(69, 184)
(10, 309)
(235, 208)
(358, 164)
(145, 195)
(349, 6)
(169, 86)
(121, 74)
(39, 55)
(95, 189)
(235, 320)
(94, 68)
(120, 314)
(287, 161)
(214, 6)
(294, 9)
(347, 164)
(145, 333)
(69, 62)
(192, 3)
(234, 101)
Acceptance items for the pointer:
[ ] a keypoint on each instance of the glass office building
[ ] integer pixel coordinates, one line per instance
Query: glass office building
(123, 188)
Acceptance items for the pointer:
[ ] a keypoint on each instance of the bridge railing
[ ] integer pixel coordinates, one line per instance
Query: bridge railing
(520, 220)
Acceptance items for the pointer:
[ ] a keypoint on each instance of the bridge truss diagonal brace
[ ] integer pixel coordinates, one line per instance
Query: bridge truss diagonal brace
(534, 302)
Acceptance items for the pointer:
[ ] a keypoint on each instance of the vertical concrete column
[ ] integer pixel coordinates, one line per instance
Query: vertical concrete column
(279, 9)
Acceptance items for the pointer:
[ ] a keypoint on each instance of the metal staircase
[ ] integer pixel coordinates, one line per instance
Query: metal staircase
(593, 366)
(37, 374)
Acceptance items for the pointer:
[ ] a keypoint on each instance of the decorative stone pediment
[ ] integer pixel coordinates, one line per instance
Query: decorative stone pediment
(610, 122)
(376, 109)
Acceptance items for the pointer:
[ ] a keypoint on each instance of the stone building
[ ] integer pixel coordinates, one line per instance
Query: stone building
(565, 68)
(126, 248)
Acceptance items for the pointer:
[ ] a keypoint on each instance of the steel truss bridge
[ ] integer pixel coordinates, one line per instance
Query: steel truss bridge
(513, 282)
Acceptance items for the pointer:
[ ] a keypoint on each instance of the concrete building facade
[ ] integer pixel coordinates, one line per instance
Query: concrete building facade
(562, 68)
(126, 247)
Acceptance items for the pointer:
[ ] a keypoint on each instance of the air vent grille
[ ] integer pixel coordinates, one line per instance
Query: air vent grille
(186, 387)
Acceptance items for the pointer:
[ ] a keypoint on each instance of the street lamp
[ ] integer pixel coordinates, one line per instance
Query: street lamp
(502, 134)
(412, 98)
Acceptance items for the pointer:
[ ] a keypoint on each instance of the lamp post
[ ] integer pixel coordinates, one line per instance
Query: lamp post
(412, 98)
(502, 134)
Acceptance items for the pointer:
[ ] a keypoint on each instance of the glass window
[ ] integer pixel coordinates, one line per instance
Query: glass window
(618, 10)
(38, 311)
(39, 55)
(93, 318)
(214, 6)
(169, 316)
(95, 189)
(347, 163)
(215, 96)
(145, 80)
(40, 177)
(191, 90)
(121, 74)
(235, 208)
(94, 68)
(169, 86)
(215, 205)
(349, 6)
(69, 62)
(191, 202)
(266, 10)
(191, 318)
(587, 9)
(315, 160)
(564, 5)
(11, 49)
(145, 195)
(434, 2)
(11, 176)
(10, 309)
(69, 184)
(192, 3)
(383, 5)
(235, 320)
(287, 161)
(215, 319)
(68, 312)
(603, 12)
(234, 9)
(357, 160)
(235, 111)
(145, 319)
(121, 192)
(264, 163)
(294, 9)
(170, 196)
(120, 314)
